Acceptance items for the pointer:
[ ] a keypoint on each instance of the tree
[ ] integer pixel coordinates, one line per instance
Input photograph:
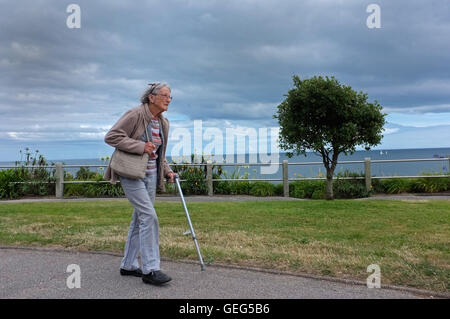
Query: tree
(321, 115)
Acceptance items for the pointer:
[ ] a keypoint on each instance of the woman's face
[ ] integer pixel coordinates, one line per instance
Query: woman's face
(161, 100)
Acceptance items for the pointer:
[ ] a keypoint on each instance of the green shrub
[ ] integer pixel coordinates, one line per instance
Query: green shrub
(262, 189)
(29, 177)
(240, 188)
(416, 185)
(171, 188)
(378, 186)
(73, 189)
(92, 189)
(312, 186)
(279, 189)
(347, 188)
(316, 189)
(431, 185)
(306, 189)
(195, 176)
(85, 174)
(222, 188)
(194, 183)
(296, 190)
(40, 181)
(396, 185)
(318, 194)
(8, 190)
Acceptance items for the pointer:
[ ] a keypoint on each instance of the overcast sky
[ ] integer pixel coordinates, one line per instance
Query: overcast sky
(229, 64)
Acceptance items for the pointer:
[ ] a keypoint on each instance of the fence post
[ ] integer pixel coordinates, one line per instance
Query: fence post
(59, 180)
(367, 173)
(209, 178)
(285, 179)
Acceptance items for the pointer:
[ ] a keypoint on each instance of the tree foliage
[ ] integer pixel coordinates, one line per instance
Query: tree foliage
(321, 115)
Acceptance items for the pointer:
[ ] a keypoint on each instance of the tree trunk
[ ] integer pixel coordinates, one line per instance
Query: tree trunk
(329, 194)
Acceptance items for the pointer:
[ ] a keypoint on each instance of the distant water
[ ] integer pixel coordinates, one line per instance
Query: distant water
(377, 169)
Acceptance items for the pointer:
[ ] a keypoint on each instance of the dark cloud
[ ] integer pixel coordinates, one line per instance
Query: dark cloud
(225, 60)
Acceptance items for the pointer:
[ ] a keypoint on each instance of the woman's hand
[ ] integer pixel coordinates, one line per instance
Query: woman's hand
(149, 148)
(171, 177)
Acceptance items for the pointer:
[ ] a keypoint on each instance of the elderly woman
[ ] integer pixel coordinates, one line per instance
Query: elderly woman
(128, 135)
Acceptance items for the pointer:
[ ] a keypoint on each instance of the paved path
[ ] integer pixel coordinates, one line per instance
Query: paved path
(41, 273)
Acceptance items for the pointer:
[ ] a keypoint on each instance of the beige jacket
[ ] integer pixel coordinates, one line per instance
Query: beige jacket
(125, 135)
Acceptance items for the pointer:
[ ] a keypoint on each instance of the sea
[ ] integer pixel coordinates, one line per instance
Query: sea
(314, 170)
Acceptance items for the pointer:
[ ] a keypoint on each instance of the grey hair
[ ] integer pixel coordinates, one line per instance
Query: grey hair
(153, 88)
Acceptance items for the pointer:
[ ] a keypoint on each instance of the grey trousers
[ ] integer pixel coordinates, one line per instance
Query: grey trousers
(143, 235)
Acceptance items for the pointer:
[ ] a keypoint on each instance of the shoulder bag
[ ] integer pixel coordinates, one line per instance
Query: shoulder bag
(129, 164)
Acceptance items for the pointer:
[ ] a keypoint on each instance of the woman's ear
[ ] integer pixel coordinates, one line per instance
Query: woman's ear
(150, 98)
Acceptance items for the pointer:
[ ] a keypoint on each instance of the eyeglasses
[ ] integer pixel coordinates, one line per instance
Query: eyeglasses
(165, 96)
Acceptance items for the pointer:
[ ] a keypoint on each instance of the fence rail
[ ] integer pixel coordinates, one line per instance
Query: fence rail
(59, 174)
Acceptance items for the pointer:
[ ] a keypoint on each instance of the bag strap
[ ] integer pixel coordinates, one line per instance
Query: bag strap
(145, 129)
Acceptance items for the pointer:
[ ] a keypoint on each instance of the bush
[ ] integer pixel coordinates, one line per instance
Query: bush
(318, 194)
(349, 189)
(93, 189)
(393, 186)
(27, 178)
(342, 188)
(431, 185)
(240, 188)
(195, 183)
(7, 189)
(378, 186)
(223, 188)
(262, 189)
(279, 189)
(417, 185)
(40, 181)
(307, 189)
(195, 177)
(171, 188)
(85, 174)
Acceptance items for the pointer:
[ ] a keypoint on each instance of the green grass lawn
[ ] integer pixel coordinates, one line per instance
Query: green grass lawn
(409, 240)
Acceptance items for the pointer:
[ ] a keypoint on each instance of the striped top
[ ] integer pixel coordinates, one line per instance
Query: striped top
(155, 138)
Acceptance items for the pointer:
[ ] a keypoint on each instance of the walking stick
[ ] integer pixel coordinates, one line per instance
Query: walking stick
(177, 181)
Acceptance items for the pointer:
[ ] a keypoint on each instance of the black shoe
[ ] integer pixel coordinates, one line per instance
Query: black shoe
(156, 278)
(136, 272)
